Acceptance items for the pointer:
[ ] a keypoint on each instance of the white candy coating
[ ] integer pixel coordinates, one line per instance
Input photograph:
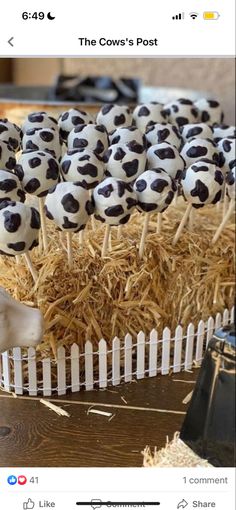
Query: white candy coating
(155, 190)
(167, 157)
(38, 172)
(144, 115)
(71, 118)
(10, 187)
(127, 134)
(202, 183)
(231, 183)
(82, 166)
(125, 162)
(112, 116)
(198, 148)
(181, 112)
(223, 131)
(7, 156)
(10, 133)
(68, 204)
(39, 120)
(210, 111)
(159, 133)
(45, 139)
(114, 201)
(198, 130)
(92, 137)
(19, 228)
(227, 154)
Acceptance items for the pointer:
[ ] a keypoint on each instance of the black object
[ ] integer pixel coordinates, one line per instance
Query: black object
(209, 426)
(102, 89)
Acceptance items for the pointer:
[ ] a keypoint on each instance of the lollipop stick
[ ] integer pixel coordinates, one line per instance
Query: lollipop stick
(144, 235)
(93, 222)
(182, 224)
(81, 238)
(106, 240)
(43, 224)
(191, 219)
(159, 223)
(119, 232)
(225, 203)
(31, 267)
(224, 221)
(69, 249)
(18, 260)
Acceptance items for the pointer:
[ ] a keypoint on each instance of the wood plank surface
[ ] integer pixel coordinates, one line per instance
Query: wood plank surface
(32, 435)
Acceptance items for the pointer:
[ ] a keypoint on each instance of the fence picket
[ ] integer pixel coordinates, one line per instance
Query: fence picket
(18, 371)
(116, 361)
(189, 347)
(140, 355)
(61, 371)
(210, 329)
(32, 371)
(232, 315)
(153, 353)
(102, 354)
(165, 362)
(88, 366)
(47, 378)
(128, 358)
(218, 321)
(178, 349)
(200, 341)
(6, 371)
(75, 364)
(226, 317)
(1, 371)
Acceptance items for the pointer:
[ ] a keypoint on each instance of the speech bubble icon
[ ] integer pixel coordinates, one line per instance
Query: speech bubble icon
(96, 503)
(182, 504)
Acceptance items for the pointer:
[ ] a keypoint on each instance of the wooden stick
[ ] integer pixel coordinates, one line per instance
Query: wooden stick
(106, 240)
(31, 267)
(191, 219)
(159, 223)
(119, 232)
(81, 237)
(182, 224)
(18, 259)
(43, 224)
(93, 224)
(224, 221)
(225, 203)
(144, 235)
(69, 249)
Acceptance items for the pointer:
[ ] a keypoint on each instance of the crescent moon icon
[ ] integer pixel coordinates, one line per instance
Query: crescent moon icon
(49, 16)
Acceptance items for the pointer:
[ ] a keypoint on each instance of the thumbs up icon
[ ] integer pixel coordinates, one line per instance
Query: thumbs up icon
(28, 505)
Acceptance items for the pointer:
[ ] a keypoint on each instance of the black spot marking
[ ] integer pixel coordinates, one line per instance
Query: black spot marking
(99, 147)
(89, 206)
(133, 146)
(13, 143)
(141, 185)
(32, 185)
(147, 207)
(143, 112)
(205, 116)
(199, 168)
(35, 219)
(31, 145)
(130, 168)
(34, 162)
(169, 197)
(219, 177)
(10, 165)
(8, 185)
(99, 218)
(53, 170)
(217, 197)
(88, 169)
(79, 143)
(196, 151)
(20, 246)
(106, 191)
(48, 214)
(70, 204)
(159, 185)
(35, 117)
(21, 195)
(227, 145)
(194, 132)
(107, 108)
(181, 121)
(119, 154)
(46, 136)
(183, 100)
(200, 191)
(65, 166)
(167, 153)
(212, 103)
(65, 116)
(77, 120)
(115, 210)
(119, 119)
(162, 135)
(12, 221)
(124, 220)
(131, 202)
(68, 224)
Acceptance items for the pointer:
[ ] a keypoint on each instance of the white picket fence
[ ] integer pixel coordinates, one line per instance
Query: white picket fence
(25, 372)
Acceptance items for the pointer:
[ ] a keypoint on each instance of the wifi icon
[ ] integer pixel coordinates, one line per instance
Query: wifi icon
(193, 15)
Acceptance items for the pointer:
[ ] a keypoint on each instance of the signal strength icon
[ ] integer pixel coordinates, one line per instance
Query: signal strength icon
(179, 16)
(193, 15)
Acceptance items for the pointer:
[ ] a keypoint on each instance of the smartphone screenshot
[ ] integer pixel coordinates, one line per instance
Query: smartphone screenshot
(117, 249)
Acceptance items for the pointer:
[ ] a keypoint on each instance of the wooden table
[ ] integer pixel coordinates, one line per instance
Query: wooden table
(32, 435)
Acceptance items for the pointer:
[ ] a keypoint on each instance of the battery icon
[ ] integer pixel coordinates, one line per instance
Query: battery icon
(209, 15)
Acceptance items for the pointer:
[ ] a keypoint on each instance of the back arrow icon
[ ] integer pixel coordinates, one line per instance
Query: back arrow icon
(10, 41)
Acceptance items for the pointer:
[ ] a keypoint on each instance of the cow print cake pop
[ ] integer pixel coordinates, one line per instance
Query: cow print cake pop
(126, 161)
(70, 119)
(231, 184)
(202, 183)
(10, 133)
(210, 111)
(166, 156)
(10, 187)
(226, 147)
(45, 139)
(155, 190)
(38, 172)
(68, 204)
(82, 166)
(19, 228)
(159, 133)
(7, 156)
(201, 130)
(223, 131)
(92, 137)
(181, 112)
(39, 120)
(127, 134)
(114, 201)
(112, 116)
(198, 148)
(145, 115)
